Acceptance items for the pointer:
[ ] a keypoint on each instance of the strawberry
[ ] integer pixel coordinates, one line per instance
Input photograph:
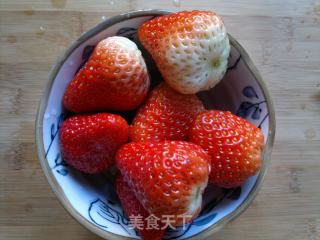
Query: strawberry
(168, 177)
(190, 48)
(233, 143)
(89, 142)
(132, 207)
(114, 78)
(166, 115)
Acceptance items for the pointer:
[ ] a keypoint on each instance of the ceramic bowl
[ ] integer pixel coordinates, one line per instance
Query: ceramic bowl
(91, 199)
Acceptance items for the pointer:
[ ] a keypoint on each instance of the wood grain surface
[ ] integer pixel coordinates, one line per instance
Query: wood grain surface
(282, 37)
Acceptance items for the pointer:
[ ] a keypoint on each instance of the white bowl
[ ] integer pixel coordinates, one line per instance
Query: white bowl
(91, 199)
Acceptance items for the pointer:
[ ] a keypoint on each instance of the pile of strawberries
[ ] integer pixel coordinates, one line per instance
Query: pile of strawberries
(174, 147)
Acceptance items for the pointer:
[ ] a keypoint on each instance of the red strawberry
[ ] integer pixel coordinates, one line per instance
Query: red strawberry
(167, 115)
(89, 142)
(132, 207)
(114, 78)
(168, 177)
(191, 49)
(234, 144)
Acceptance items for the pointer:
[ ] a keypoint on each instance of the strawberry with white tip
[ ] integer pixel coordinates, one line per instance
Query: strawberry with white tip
(168, 177)
(190, 48)
(114, 78)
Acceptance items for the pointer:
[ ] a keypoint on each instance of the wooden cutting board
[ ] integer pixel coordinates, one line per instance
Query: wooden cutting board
(282, 37)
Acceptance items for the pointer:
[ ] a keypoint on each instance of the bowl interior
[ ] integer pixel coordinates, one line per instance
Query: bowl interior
(93, 196)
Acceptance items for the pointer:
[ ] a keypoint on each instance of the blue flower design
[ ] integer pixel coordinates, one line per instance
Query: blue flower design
(102, 214)
(54, 129)
(235, 64)
(249, 92)
(59, 164)
(251, 108)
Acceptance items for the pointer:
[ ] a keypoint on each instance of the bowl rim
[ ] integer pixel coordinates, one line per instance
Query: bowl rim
(56, 188)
